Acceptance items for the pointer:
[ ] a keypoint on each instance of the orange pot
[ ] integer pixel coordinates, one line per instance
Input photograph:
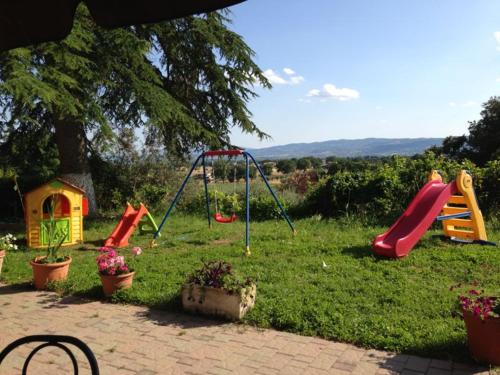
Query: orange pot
(2, 255)
(110, 284)
(484, 338)
(45, 273)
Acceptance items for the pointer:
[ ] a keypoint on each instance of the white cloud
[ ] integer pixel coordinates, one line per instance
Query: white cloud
(275, 78)
(452, 104)
(470, 103)
(295, 80)
(331, 91)
(498, 79)
(496, 35)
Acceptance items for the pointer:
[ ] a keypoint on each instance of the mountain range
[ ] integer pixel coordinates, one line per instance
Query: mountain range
(348, 148)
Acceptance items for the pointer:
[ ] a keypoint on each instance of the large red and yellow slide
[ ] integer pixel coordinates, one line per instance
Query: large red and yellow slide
(461, 216)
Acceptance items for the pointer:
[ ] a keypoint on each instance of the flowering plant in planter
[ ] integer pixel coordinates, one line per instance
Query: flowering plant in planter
(115, 273)
(481, 314)
(7, 242)
(215, 289)
(472, 300)
(219, 274)
(110, 263)
(479, 305)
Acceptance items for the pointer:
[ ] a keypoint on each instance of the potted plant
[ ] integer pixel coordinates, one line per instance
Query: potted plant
(52, 266)
(6, 243)
(115, 273)
(481, 314)
(215, 289)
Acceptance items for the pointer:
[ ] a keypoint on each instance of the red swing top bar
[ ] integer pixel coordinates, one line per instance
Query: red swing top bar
(223, 152)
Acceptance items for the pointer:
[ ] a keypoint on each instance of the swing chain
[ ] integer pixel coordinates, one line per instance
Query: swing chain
(215, 185)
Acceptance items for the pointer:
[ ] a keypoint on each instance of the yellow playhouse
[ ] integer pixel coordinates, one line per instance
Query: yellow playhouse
(69, 205)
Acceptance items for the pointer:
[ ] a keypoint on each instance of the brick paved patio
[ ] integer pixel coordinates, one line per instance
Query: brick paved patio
(137, 340)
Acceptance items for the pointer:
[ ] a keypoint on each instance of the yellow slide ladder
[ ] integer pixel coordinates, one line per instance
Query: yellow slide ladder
(462, 228)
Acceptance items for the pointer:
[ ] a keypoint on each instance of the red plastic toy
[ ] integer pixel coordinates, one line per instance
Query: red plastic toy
(124, 229)
(410, 227)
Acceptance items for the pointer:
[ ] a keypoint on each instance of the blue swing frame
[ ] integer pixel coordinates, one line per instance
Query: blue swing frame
(248, 157)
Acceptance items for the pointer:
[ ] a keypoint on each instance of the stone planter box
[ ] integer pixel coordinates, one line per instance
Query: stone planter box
(218, 302)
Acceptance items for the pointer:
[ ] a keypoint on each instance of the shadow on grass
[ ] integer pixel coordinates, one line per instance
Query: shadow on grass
(95, 243)
(360, 252)
(196, 242)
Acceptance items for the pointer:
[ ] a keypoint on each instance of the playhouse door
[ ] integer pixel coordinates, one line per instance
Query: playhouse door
(62, 230)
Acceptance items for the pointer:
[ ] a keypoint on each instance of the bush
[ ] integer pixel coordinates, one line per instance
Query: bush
(382, 192)
(262, 206)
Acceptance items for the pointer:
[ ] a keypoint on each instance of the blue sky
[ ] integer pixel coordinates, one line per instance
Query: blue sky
(391, 68)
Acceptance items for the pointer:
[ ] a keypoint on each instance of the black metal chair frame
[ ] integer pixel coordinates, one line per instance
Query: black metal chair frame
(58, 342)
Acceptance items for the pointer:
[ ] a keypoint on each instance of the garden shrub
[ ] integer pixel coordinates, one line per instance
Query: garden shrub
(262, 207)
(381, 192)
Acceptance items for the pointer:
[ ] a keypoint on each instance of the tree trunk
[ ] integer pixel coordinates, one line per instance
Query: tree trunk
(74, 167)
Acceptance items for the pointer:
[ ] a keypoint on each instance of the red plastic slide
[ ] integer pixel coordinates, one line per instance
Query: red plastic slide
(124, 229)
(410, 227)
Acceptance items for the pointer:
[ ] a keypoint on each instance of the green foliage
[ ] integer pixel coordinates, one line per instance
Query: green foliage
(484, 134)
(185, 83)
(286, 165)
(301, 181)
(403, 306)
(267, 168)
(262, 205)
(380, 192)
(219, 274)
(482, 144)
(303, 163)
(55, 238)
(136, 178)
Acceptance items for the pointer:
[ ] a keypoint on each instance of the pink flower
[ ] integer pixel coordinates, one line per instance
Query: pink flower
(111, 271)
(136, 251)
(105, 249)
(124, 268)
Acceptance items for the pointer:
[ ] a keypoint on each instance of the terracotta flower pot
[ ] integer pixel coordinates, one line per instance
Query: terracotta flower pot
(2, 255)
(45, 273)
(483, 338)
(110, 284)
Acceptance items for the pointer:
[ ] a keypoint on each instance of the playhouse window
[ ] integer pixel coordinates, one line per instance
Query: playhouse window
(58, 203)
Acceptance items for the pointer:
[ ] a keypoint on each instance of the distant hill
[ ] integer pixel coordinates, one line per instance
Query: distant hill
(348, 148)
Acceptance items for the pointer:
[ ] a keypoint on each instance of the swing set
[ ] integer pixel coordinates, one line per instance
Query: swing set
(218, 217)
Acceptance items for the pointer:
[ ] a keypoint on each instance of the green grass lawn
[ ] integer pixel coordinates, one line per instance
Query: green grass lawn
(400, 305)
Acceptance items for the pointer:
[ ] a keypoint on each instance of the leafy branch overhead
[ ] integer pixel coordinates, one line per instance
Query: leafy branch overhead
(185, 82)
